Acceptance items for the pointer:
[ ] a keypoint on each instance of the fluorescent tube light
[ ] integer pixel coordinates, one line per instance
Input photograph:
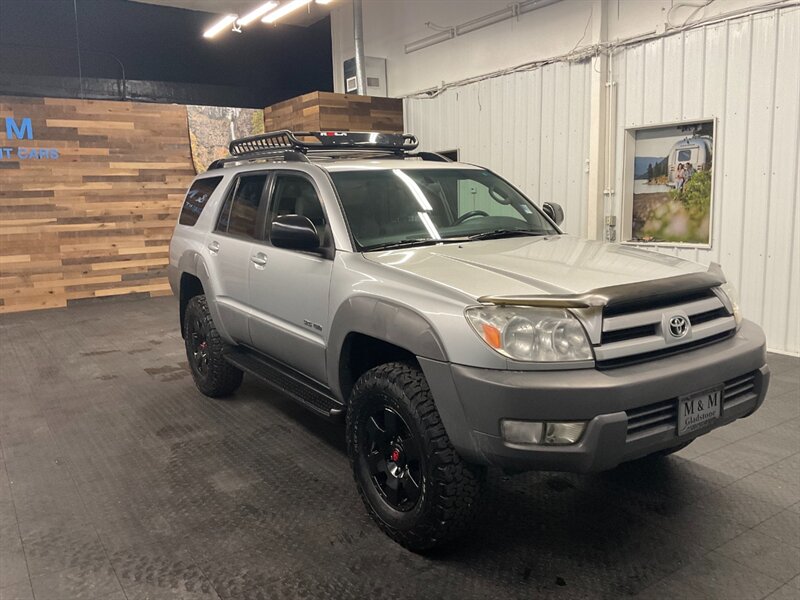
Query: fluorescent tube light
(486, 20)
(441, 36)
(256, 13)
(525, 7)
(324, 1)
(219, 26)
(284, 9)
(498, 16)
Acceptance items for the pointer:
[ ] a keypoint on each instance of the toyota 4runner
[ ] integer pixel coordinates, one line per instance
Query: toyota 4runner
(449, 320)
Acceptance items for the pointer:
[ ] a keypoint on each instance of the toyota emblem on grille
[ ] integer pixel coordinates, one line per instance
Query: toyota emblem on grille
(678, 326)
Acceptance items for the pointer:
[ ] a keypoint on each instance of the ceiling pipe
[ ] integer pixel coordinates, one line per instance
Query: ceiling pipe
(448, 33)
(358, 38)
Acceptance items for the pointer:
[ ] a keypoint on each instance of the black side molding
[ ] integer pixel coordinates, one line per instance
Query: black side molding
(304, 390)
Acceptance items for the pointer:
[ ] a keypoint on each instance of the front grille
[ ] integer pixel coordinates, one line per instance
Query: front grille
(709, 315)
(635, 359)
(653, 418)
(662, 416)
(739, 390)
(657, 302)
(631, 333)
(642, 332)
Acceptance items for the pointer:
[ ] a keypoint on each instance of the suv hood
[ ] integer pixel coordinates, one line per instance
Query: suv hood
(558, 264)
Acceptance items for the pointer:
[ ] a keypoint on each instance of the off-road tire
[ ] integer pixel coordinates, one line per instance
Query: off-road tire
(218, 378)
(450, 487)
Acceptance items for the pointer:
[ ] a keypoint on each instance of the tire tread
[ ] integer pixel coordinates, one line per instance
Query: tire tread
(223, 378)
(456, 485)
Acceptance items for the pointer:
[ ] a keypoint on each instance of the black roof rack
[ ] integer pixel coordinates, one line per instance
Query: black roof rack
(326, 141)
(287, 145)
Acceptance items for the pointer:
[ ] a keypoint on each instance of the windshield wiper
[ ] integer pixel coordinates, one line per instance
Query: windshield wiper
(501, 233)
(403, 244)
(484, 235)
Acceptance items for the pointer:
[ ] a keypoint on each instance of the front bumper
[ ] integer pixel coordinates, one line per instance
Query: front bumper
(473, 401)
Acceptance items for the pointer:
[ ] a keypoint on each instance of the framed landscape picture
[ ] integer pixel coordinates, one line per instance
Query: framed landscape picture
(670, 183)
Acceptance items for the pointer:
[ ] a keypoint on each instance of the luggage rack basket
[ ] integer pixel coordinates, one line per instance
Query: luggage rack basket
(288, 146)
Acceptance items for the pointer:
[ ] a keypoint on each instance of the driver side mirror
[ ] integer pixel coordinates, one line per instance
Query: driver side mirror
(554, 211)
(294, 232)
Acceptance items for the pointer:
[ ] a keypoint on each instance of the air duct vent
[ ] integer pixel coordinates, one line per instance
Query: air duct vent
(376, 76)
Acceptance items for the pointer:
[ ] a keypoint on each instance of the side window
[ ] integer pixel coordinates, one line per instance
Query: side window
(240, 210)
(295, 195)
(197, 198)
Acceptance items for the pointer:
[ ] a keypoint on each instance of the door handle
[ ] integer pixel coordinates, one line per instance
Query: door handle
(259, 260)
(213, 247)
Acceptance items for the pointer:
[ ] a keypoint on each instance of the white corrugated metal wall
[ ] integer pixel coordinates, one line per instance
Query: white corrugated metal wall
(746, 74)
(530, 127)
(533, 128)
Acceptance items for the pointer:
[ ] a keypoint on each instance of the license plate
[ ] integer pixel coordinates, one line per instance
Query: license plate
(698, 411)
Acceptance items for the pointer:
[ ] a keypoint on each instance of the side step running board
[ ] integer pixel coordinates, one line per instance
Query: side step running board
(305, 390)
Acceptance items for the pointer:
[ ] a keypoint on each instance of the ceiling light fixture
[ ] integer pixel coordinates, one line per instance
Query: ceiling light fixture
(219, 26)
(324, 1)
(440, 36)
(257, 13)
(284, 9)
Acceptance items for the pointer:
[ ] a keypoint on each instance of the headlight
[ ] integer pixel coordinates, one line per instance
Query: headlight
(530, 333)
(733, 299)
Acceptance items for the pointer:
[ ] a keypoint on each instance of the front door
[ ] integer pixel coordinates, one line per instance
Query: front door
(289, 288)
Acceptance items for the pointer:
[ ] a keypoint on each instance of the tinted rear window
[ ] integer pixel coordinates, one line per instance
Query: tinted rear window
(197, 198)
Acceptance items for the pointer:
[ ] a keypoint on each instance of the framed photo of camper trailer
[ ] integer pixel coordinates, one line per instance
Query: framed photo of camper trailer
(669, 184)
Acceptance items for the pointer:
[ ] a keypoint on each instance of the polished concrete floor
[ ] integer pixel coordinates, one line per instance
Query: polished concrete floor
(119, 480)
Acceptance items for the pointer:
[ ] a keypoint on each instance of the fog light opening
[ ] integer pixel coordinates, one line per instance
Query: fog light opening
(563, 433)
(522, 432)
(542, 433)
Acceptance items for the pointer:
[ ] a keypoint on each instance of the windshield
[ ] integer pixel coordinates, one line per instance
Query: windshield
(387, 207)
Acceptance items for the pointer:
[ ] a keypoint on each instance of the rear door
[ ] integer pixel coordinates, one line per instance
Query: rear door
(289, 288)
(229, 247)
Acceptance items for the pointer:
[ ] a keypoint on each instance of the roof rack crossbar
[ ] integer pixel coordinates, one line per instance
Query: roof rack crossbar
(276, 154)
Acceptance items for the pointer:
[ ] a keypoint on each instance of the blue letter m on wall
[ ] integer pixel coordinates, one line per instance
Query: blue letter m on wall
(22, 131)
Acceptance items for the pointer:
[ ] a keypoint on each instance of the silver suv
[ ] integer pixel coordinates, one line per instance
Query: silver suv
(449, 320)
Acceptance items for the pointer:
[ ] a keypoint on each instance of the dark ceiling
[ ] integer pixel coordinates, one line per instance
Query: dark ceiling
(160, 44)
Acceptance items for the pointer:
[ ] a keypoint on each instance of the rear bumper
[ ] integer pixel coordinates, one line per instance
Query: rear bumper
(473, 401)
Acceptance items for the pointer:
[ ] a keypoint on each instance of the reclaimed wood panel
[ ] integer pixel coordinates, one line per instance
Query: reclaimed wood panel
(321, 111)
(96, 221)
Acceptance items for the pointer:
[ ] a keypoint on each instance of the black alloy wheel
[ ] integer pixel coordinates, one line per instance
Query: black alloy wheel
(198, 346)
(205, 351)
(392, 454)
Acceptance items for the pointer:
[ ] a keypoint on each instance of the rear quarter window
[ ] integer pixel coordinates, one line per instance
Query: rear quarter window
(197, 198)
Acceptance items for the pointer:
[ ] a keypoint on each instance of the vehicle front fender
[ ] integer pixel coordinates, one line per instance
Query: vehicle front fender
(385, 320)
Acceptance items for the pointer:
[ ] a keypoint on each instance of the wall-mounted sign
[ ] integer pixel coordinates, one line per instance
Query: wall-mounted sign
(22, 129)
(669, 183)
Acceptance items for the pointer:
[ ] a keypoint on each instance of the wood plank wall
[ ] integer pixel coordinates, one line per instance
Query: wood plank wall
(95, 222)
(321, 111)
